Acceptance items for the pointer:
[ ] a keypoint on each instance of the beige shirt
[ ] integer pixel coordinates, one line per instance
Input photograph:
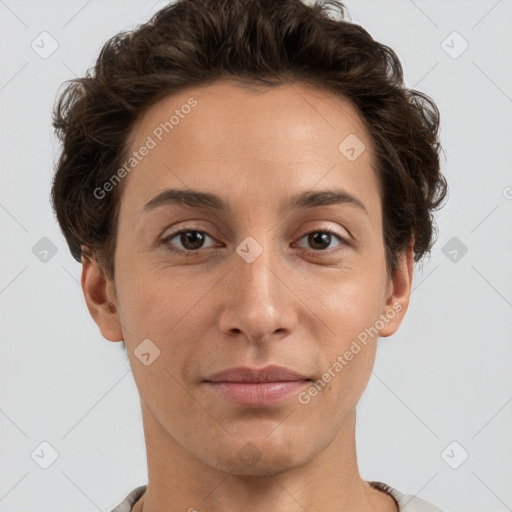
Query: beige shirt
(405, 502)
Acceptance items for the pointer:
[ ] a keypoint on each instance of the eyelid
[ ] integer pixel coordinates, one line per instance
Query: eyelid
(182, 226)
(329, 226)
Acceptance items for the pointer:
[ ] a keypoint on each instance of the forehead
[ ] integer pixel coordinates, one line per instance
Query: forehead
(261, 143)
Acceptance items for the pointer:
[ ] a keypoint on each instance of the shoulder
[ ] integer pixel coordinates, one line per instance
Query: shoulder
(127, 504)
(406, 502)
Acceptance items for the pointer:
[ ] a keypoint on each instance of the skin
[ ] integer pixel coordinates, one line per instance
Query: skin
(293, 306)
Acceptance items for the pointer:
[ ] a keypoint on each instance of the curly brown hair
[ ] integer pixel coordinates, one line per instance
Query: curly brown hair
(255, 42)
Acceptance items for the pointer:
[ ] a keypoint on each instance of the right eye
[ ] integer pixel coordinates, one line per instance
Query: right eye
(190, 238)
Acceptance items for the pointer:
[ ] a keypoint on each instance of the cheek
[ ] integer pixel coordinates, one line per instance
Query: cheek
(348, 305)
(350, 310)
(170, 313)
(148, 303)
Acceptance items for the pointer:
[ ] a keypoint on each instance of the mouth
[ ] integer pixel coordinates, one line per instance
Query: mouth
(256, 386)
(272, 373)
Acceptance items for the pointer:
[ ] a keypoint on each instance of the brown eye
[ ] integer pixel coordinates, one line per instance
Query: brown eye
(320, 240)
(190, 240)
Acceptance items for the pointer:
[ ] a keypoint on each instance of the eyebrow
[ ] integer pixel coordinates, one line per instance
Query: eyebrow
(198, 199)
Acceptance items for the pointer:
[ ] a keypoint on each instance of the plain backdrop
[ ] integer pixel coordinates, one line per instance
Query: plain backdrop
(436, 417)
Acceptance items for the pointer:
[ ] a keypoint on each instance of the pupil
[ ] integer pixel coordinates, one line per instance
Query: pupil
(189, 236)
(322, 238)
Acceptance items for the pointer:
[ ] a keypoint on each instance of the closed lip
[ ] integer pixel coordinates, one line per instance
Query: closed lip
(272, 373)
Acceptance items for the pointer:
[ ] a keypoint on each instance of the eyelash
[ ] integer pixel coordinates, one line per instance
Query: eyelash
(189, 253)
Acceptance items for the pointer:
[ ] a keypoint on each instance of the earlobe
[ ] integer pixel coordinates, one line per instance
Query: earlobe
(100, 299)
(398, 301)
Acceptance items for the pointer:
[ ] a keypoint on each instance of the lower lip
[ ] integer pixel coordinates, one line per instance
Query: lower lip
(257, 393)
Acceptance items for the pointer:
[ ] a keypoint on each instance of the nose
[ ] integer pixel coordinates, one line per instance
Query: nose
(260, 302)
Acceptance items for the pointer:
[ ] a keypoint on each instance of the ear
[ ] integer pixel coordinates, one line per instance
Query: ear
(399, 293)
(99, 293)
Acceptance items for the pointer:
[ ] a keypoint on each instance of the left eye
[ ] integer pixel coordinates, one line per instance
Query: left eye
(319, 239)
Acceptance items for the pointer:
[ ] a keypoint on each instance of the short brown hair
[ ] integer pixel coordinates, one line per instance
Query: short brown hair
(255, 42)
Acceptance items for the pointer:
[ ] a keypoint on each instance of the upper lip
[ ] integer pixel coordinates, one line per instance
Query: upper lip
(270, 373)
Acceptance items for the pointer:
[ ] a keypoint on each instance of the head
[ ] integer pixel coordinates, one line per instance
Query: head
(319, 172)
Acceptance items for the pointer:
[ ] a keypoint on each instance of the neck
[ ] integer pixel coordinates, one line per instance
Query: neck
(329, 482)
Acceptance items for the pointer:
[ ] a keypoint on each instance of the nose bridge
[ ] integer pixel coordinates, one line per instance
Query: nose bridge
(255, 270)
(259, 303)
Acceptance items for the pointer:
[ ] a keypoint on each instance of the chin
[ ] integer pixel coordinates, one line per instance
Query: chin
(259, 459)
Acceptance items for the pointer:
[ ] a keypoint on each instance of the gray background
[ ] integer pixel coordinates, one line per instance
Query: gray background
(444, 377)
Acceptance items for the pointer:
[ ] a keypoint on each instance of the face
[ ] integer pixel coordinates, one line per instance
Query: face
(258, 277)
